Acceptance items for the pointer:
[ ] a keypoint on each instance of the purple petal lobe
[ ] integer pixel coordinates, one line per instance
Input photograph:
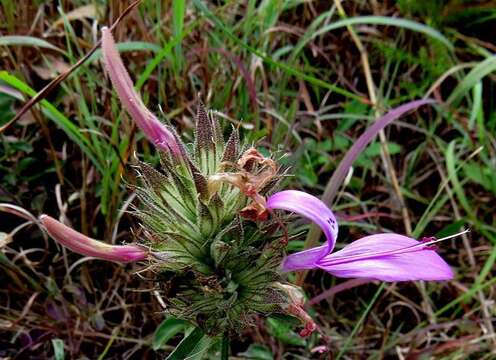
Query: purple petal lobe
(84, 245)
(155, 131)
(305, 259)
(387, 257)
(313, 209)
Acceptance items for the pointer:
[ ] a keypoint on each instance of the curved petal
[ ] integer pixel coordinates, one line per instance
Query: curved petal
(387, 257)
(156, 132)
(361, 143)
(84, 245)
(315, 210)
(304, 260)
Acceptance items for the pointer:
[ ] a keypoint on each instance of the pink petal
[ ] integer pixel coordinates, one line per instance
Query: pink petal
(313, 209)
(305, 259)
(361, 143)
(387, 257)
(151, 126)
(84, 245)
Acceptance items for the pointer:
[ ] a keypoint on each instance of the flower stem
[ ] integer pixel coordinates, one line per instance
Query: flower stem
(225, 347)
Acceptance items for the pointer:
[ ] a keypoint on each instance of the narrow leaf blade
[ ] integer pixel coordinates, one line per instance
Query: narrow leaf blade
(167, 330)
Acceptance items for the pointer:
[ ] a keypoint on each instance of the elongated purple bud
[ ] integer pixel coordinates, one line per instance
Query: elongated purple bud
(84, 245)
(361, 143)
(154, 130)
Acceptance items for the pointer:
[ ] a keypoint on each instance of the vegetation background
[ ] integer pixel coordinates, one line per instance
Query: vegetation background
(301, 77)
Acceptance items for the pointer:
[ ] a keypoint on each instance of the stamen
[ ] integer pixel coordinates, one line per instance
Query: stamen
(429, 242)
(432, 240)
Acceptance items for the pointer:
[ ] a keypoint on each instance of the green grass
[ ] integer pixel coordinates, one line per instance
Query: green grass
(290, 76)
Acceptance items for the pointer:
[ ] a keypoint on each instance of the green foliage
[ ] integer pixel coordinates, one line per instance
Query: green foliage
(27, 41)
(257, 352)
(167, 330)
(58, 349)
(282, 330)
(193, 346)
(430, 9)
(481, 70)
(303, 94)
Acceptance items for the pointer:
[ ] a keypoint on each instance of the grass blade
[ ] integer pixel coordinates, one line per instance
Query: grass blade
(178, 13)
(20, 40)
(288, 69)
(128, 46)
(192, 346)
(56, 116)
(360, 321)
(387, 21)
(473, 77)
(166, 330)
(58, 349)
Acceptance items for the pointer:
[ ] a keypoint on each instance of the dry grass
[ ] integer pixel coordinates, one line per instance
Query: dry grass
(303, 95)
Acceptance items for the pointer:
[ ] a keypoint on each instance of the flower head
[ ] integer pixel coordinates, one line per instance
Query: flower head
(215, 268)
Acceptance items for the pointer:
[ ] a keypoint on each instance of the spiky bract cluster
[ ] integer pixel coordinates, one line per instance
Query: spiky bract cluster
(215, 268)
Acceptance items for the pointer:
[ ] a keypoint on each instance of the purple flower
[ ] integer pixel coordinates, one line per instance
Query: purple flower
(84, 245)
(156, 131)
(387, 256)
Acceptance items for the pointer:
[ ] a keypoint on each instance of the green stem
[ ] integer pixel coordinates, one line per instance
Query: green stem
(225, 347)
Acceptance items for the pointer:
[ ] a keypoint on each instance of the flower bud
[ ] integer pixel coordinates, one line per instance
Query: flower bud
(156, 131)
(84, 245)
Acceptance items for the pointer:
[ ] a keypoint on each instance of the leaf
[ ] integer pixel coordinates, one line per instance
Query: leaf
(72, 130)
(451, 229)
(269, 60)
(167, 330)
(306, 174)
(451, 161)
(86, 11)
(473, 77)
(387, 21)
(482, 175)
(257, 352)
(178, 13)
(373, 151)
(20, 40)
(192, 346)
(6, 93)
(281, 330)
(53, 66)
(360, 321)
(58, 349)
(164, 52)
(128, 46)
